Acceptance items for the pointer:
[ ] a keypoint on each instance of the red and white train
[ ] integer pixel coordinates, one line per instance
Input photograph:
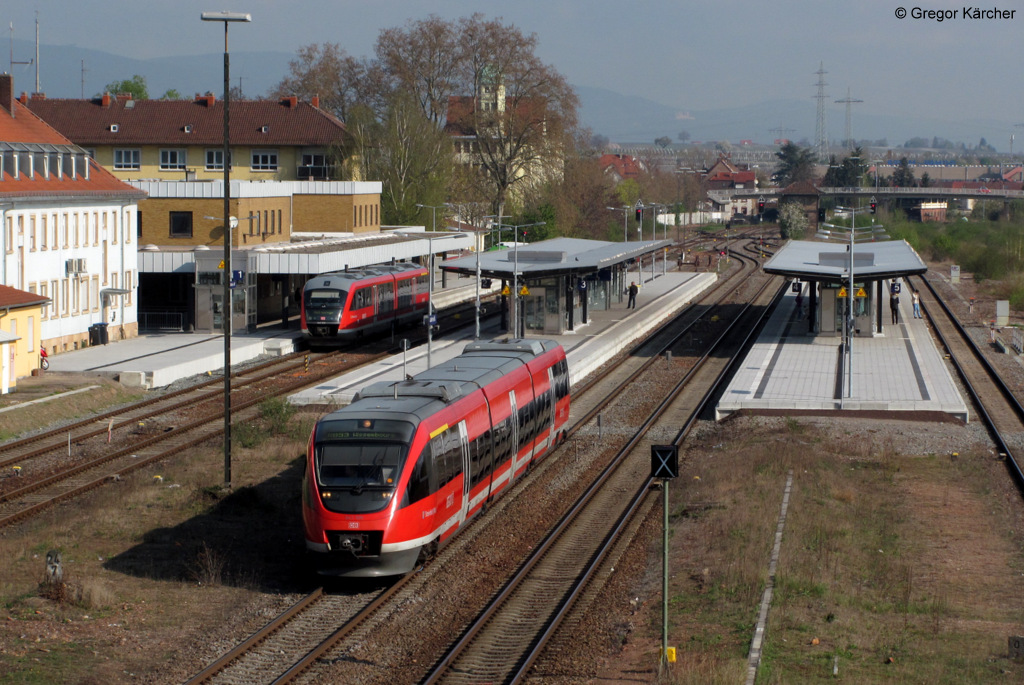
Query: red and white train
(395, 474)
(340, 306)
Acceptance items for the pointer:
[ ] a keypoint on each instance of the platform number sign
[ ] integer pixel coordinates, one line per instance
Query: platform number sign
(664, 461)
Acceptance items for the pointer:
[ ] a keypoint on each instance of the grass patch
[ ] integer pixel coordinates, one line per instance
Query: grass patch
(874, 577)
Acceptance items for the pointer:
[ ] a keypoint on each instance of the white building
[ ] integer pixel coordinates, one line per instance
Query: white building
(69, 231)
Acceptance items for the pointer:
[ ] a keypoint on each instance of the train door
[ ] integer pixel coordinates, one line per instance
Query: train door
(514, 437)
(467, 467)
(552, 409)
(375, 295)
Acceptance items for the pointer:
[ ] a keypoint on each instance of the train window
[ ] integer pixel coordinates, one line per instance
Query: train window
(419, 480)
(361, 298)
(447, 456)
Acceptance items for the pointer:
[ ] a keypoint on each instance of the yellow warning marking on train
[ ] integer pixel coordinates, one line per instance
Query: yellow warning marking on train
(841, 293)
(860, 293)
(437, 431)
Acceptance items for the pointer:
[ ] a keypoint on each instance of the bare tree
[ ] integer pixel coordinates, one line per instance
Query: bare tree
(422, 59)
(327, 71)
(521, 129)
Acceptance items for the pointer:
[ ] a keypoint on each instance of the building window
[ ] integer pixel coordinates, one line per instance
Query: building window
(172, 160)
(215, 160)
(264, 160)
(181, 224)
(128, 160)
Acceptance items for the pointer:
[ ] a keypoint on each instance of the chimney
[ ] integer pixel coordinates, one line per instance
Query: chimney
(315, 101)
(124, 97)
(7, 93)
(208, 99)
(24, 98)
(105, 101)
(290, 101)
(38, 96)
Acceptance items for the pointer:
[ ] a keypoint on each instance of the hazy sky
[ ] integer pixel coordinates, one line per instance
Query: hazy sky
(692, 55)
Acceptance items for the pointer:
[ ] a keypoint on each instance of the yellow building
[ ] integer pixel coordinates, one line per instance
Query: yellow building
(21, 316)
(179, 140)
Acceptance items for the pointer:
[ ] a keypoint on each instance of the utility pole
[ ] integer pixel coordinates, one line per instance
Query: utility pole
(820, 134)
(848, 101)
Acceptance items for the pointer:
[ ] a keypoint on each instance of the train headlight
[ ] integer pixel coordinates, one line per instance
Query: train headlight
(326, 494)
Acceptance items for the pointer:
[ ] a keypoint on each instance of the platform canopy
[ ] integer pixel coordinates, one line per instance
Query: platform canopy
(555, 257)
(830, 261)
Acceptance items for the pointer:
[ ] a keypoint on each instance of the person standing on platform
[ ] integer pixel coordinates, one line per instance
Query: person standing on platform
(916, 299)
(894, 307)
(633, 290)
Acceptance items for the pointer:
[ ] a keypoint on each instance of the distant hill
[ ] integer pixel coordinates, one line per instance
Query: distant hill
(621, 118)
(61, 75)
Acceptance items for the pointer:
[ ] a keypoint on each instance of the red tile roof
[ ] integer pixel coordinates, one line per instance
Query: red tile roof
(625, 166)
(25, 127)
(12, 297)
(188, 122)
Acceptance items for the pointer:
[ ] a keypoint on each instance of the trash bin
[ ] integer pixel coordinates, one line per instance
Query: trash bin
(98, 334)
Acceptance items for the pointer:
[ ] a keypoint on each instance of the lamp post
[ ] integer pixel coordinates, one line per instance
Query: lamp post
(515, 272)
(477, 247)
(227, 17)
(625, 219)
(430, 288)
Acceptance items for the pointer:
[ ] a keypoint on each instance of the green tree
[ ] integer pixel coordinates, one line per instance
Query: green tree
(663, 142)
(795, 164)
(792, 221)
(903, 176)
(136, 86)
(171, 94)
(410, 156)
(849, 173)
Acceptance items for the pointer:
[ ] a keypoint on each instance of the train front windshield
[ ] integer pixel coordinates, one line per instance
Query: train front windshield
(358, 462)
(325, 300)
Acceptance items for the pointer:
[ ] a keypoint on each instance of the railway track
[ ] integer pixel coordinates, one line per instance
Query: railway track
(239, 666)
(997, 404)
(65, 462)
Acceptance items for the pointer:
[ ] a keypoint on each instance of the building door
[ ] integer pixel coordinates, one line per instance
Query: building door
(827, 315)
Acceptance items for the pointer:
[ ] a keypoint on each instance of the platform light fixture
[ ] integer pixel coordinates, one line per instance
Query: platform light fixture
(227, 18)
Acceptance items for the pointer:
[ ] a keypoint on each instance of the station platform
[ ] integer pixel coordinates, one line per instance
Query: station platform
(788, 369)
(606, 333)
(158, 360)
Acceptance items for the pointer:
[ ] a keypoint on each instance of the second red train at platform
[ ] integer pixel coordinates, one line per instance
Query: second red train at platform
(342, 306)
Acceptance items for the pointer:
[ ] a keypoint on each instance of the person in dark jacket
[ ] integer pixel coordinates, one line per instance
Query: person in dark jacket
(633, 290)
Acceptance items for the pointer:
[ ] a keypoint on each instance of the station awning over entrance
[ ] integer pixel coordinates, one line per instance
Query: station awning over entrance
(559, 256)
(823, 261)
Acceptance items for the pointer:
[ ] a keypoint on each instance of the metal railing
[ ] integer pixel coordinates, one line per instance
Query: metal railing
(161, 321)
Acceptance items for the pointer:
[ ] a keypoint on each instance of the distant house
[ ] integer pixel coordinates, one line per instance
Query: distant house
(619, 167)
(807, 196)
(178, 140)
(724, 175)
(19, 341)
(485, 126)
(68, 234)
